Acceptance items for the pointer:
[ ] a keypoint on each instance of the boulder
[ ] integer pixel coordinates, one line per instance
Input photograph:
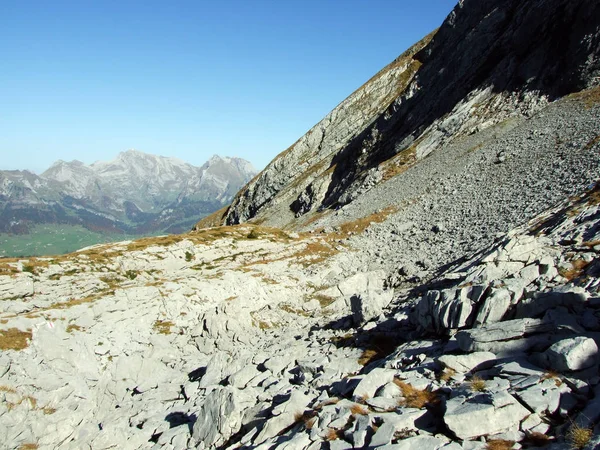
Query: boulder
(466, 363)
(366, 295)
(483, 414)
(572, 354)
(371, 382)
(489, 336)
(220, 416)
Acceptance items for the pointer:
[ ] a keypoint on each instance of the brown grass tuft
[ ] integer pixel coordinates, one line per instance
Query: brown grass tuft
(578, 437)
(577, 268)
(499, 444)
(477, 384)
(447, 374)
(29, 446)
(551, 375)
(415, 398)
(14, 339)
(537, 439)
(359, 409)
(334, 435)
(307, 418)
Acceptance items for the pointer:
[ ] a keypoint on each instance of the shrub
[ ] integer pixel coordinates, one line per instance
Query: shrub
(188, 256)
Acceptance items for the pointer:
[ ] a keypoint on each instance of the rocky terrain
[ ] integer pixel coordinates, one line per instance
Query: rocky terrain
(136, 193)
(447, 297)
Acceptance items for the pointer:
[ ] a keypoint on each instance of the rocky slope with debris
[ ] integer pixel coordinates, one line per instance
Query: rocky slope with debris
(489, 61)
(250, 337)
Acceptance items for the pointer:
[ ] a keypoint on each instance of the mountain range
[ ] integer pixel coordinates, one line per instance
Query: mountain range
(136, 193)
(420, 271)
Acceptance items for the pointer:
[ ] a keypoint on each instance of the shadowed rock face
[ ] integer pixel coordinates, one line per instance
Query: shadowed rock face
(489, 61)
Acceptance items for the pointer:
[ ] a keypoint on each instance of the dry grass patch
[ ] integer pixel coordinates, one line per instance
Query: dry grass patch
(359, 225)
(576, 270)
(74, 327)
(29, 446)
(447, 374)
(163, 326)
(14, 339)
(4, 388)
(307, 418)
(499, 444)
(415, 398)
(588, 97)
(334, 435)
(537, 439)
(592, 142)
(551, 375)
(314, 252)
(215, 219)
(400, 163)
(578, 437)
(358, 409)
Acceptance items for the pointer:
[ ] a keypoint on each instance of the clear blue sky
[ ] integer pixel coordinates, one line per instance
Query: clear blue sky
(84, 79)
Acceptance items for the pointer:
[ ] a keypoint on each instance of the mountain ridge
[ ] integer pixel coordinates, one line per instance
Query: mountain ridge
(133, 193)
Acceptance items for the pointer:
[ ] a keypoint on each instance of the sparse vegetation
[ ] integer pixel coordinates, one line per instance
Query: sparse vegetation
(537, 439)
(358, 409)
(415, 398)
(477, 384)
(131, 274)
(576, 270)
(14, 339)
(552, 375)
(73, 327)
(499, 444)
(307, 418)
(578, 436)
(188, 256)
(29, 446)
(163, 326)
(447, 374)
(333, 435)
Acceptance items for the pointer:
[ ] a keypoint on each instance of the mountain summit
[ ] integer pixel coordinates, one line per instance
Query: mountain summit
(134, 193)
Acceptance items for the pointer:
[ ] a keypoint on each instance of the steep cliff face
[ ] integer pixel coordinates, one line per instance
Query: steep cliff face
(488, 62)
(308, 160)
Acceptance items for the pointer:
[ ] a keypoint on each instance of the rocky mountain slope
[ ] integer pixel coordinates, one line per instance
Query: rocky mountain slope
(489, 62)
(448, 301)
(136, 193)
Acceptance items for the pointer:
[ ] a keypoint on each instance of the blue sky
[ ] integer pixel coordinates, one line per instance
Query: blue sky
(84, 79)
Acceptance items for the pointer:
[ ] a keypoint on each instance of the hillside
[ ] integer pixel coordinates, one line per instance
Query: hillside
(420, 271)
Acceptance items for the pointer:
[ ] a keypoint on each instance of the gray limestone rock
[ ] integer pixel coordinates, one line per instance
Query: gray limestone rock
(483, 414)
(220, 416)
(572, 354)
(469, 362)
